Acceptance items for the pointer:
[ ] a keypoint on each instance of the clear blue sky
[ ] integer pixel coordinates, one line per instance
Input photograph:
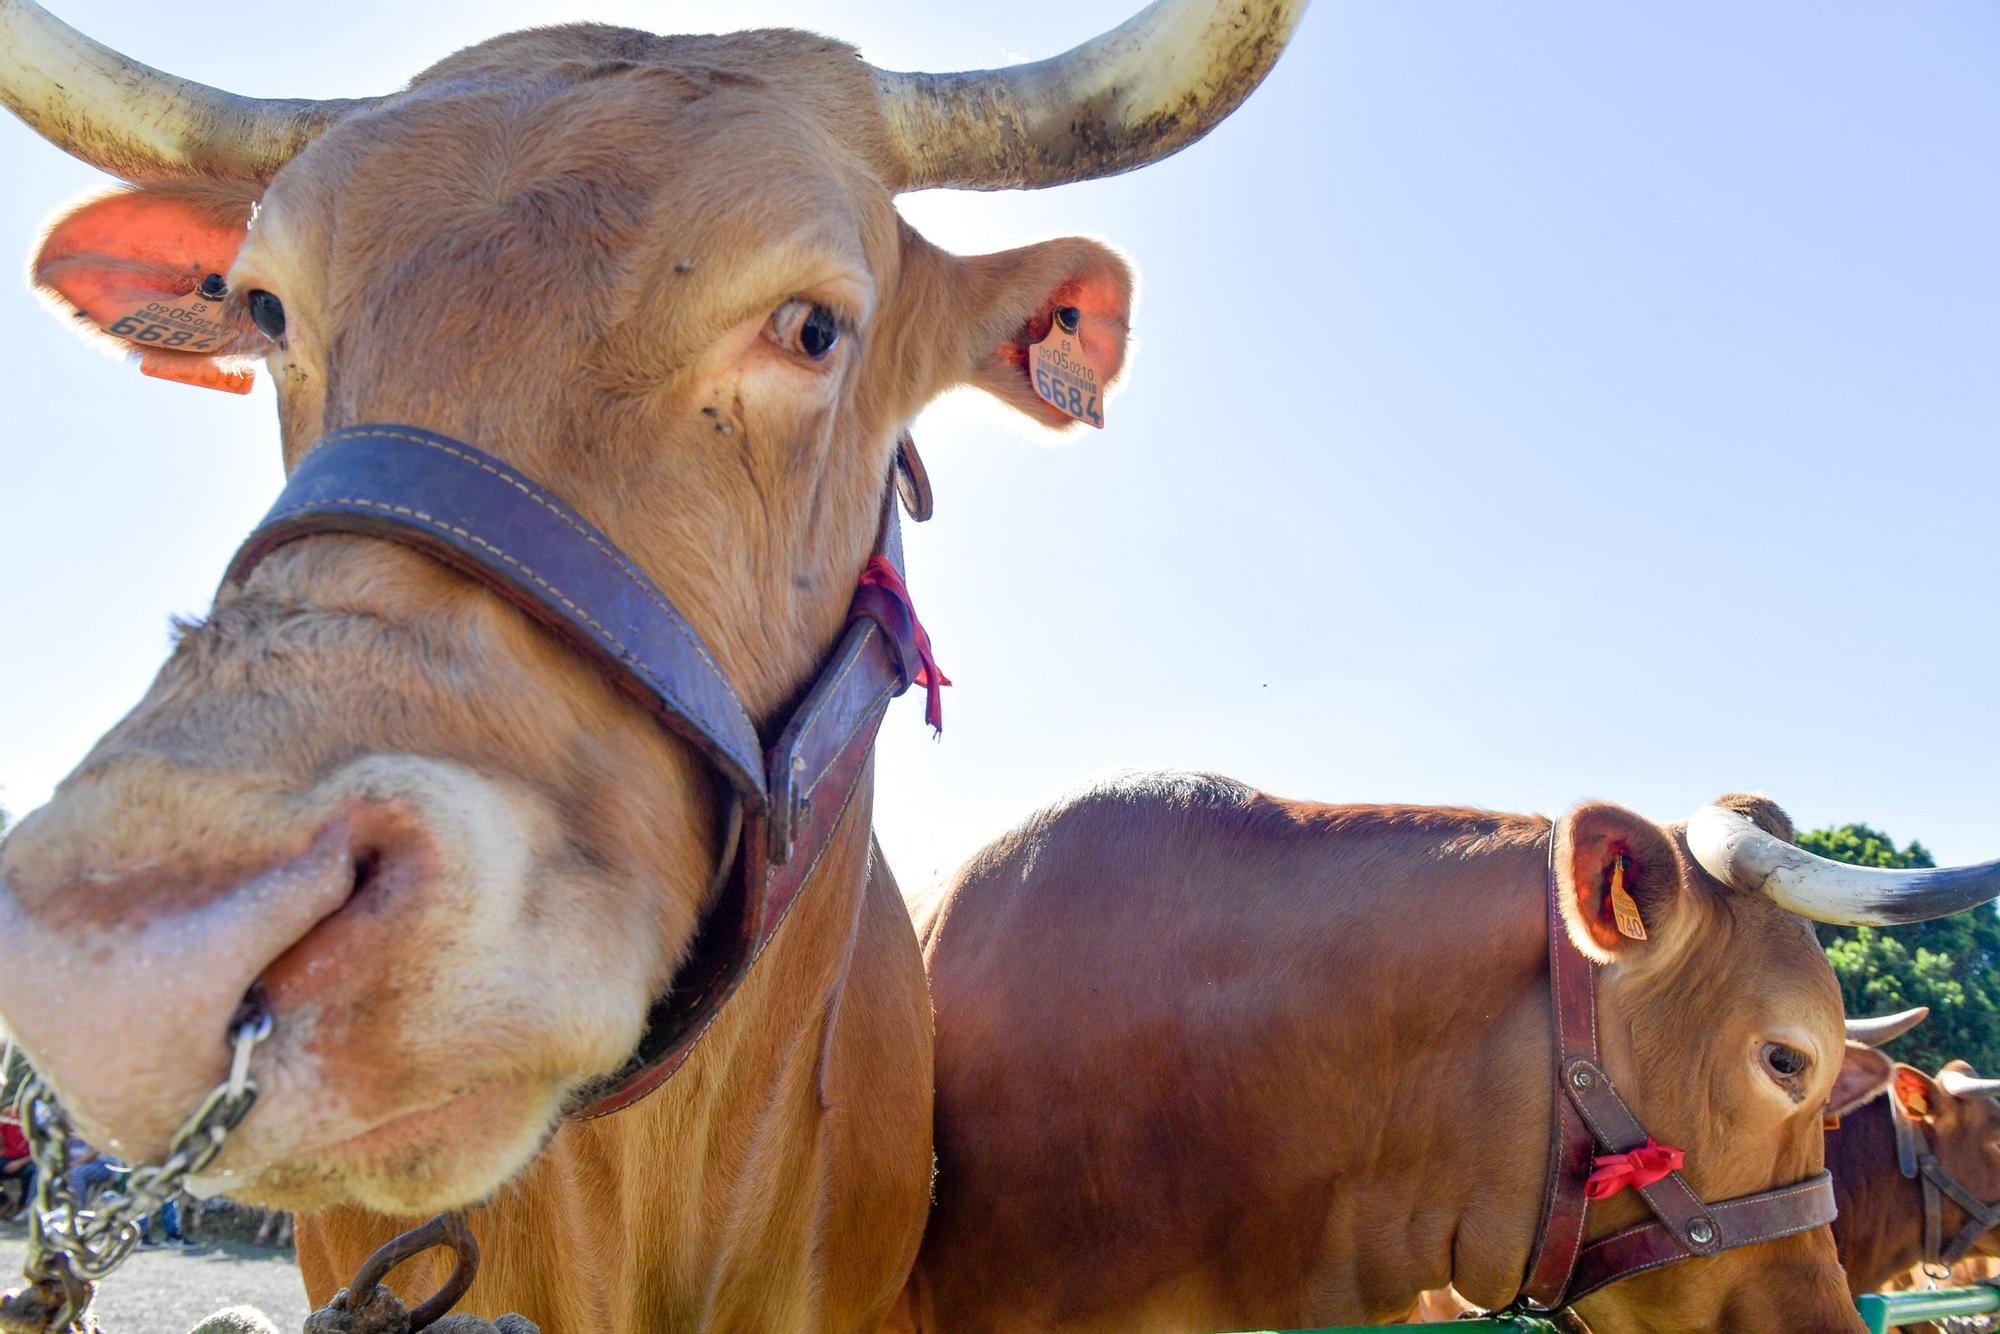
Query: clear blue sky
(1531, 403)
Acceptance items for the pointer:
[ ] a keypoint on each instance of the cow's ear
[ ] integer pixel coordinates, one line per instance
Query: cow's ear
(1916, 1093)
(1618, 878)
(1079, 289)
(133, 264)
(1864, 1072)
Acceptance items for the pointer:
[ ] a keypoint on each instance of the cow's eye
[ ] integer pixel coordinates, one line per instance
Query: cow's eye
(1786, 1064)
(268, 314)
(805, 328)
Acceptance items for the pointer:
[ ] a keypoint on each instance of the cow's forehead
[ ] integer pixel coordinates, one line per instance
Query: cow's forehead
(637, 145)
(1774, 960)
(568, 206)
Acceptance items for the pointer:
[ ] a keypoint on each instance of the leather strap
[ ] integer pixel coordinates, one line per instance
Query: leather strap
(1590, 1114)
(1671, 1199)
(1573, 1000)
(489, 522)
(1980, 1217)
(1906, 1137)
(1916, 1161)
(1743, 1221)
(814, 768)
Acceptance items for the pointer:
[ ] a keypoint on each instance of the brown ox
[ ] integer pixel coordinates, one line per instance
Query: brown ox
(664, 275)
(1208, 1059)
(1881, 1228)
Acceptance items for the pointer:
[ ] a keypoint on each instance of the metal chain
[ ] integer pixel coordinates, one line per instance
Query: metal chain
(71, 1247)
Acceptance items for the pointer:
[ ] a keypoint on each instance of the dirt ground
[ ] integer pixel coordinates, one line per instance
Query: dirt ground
(167, 1291)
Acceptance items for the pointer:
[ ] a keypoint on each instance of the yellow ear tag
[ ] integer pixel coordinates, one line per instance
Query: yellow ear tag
(1623, 909)
(1064, 375)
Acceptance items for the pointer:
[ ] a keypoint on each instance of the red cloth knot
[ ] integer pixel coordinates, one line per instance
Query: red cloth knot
(881, 574)
(1650, 1162)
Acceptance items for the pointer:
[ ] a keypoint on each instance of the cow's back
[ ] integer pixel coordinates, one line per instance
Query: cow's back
(1139, 989)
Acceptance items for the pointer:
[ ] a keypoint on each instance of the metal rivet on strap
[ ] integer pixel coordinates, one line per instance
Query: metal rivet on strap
(1701, 1232)
(1581, 1078)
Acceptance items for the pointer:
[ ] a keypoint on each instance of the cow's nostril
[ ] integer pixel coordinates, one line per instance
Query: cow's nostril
(367, 865)
(253, 1009)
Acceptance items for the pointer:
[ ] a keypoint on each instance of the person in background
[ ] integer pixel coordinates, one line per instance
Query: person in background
(17, 1166)
(13, 1140)
(90, 1172)
(169, 1215)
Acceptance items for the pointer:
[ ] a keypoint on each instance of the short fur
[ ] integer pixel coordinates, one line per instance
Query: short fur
(1880, 1230)
(1209, 1059)
(461, 864)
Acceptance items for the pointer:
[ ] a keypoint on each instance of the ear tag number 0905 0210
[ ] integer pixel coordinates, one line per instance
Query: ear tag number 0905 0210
(191, 323)
(1064, 375)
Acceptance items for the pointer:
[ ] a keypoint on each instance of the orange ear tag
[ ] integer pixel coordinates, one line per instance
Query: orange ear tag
(1829, 1121)
(1630, 924)
(1065, 376)
(197, 371)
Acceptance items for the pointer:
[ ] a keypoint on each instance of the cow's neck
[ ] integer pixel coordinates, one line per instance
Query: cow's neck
(729, 1194)
(1476, 1133)
(1880, 1228)
(1492, 1148)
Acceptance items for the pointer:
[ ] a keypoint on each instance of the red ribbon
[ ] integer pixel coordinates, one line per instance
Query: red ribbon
(881, 574)
(1650, 1162)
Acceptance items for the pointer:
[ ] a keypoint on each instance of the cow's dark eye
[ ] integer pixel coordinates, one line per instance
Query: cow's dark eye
(1787, 1063)
(268, 314)
(805, 328)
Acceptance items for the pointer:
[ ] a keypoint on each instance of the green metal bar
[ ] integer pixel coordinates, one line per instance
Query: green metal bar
(1880, 1311)
(1884, 1311)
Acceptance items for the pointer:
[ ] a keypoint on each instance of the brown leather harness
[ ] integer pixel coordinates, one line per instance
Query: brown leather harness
(489, 522)
(1919, 1164)
(1589, 1116)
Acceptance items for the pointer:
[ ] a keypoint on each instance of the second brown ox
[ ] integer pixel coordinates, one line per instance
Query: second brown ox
(1878, 1168)
(1208, 1059)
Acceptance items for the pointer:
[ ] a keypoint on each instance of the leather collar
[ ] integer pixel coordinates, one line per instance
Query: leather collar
(488, 521)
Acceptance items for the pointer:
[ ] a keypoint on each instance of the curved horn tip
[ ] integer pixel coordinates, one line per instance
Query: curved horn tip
(1736, 851)
(1963, 1084)
(1885, 1028)
(1128, 97)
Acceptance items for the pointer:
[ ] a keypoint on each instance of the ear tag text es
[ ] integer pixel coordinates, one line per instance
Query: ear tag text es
(1623, 909)
(1065, 374)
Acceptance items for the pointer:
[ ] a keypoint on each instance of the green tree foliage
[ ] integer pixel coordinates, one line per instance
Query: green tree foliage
(1947, 964)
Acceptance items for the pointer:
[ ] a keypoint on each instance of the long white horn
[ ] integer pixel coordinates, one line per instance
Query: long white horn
(1737, 852)
(136, 122)
(1887, 1028)
(1963, 1084)
(1146, 89)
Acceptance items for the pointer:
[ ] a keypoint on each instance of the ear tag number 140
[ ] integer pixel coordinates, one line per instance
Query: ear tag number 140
(1065, 376)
